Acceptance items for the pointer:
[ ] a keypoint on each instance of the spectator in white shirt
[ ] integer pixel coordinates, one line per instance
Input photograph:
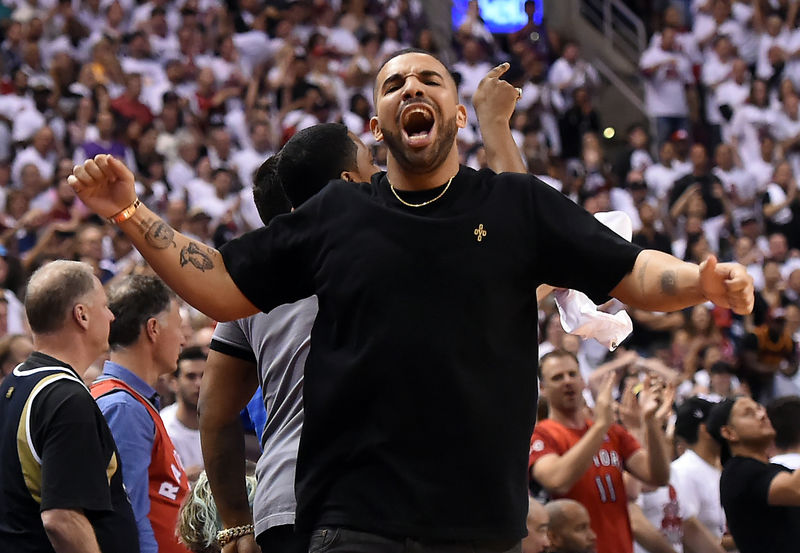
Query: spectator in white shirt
(41, 153)
(772, 47)
(784, 414)
(738, 183)
(220, 148)
(570, 72)
(750, 121)
(695, 476)
(667, 72)
(717, 69)
(183, 170)
(472, 69)
(661, 176)
(762, 167)
(731, 94)
(780, 205)
(247, 160)
(787, 129)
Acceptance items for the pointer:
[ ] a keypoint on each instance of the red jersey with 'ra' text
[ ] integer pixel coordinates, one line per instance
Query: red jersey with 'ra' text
(168, 482)
(600, 489)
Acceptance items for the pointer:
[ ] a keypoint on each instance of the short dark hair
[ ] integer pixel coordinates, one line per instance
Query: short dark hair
(134, 301)
(313, 157)
(268, 193)
(192, 353)
(53, 291)
(557, 353)
(784, 413)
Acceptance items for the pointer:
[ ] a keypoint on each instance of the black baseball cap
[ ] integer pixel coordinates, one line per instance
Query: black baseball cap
(689, 415)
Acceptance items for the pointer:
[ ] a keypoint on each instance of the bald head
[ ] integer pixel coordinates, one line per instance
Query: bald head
(53, 291)
(570, 527)
(561, 510)
(537, 540)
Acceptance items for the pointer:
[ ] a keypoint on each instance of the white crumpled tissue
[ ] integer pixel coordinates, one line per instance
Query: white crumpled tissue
(581, 316)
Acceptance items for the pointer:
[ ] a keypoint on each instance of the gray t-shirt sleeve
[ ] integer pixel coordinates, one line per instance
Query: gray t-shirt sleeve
(232, 338)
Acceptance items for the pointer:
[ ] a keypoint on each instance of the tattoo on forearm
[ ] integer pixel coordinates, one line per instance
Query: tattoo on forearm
(198, 258)
(160, 235)
(642, 272)
(668, 283)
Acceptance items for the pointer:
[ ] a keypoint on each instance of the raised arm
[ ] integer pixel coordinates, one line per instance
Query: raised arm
(494, 102)
(190, 268)
(661, 282)
(651, 465)
(558, 473)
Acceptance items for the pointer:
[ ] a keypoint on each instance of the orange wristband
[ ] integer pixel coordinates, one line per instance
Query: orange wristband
(126, 213)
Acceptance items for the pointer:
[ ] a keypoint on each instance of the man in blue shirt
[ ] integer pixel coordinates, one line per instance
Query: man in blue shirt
(145, 340)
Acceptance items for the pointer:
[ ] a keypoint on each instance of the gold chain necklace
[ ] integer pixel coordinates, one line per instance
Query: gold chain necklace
(402, 201)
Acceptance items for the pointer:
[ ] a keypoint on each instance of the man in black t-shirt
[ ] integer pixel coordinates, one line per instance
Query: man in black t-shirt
(761, 500)
(61, 488)
(420, 374)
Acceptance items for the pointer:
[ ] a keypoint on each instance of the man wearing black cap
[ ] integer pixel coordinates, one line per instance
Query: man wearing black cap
(761, 500)
(695, 476)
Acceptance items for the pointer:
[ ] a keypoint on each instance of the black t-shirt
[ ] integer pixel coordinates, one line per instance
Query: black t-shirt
(420, 386)
(58, 453)
(757, 527)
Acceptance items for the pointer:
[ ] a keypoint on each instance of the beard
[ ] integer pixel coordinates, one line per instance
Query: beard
(426, 159)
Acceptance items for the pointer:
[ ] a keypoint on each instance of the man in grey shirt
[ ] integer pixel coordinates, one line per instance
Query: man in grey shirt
(269, 350)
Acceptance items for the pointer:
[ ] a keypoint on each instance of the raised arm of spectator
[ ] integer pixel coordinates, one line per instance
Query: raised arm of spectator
(558, 473)
(661, 282)
(190, 268)
(651, 464)
(622, 361)
(228, 384)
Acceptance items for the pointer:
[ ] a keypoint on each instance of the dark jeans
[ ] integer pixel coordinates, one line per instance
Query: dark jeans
(343, 540)
(282, 539)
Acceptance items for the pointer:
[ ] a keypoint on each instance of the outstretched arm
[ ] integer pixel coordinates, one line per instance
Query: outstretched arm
(661, 282)
(190, 268)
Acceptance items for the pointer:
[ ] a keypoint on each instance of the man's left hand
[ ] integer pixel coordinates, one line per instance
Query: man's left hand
(727, 285)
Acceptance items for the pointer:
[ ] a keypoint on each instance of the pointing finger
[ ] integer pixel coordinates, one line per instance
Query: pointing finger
(497, 72)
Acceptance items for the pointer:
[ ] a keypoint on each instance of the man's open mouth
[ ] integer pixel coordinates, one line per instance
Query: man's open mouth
(417, 121)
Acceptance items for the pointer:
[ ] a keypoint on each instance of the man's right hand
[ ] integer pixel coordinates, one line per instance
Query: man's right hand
(104, 184)
(495, 99)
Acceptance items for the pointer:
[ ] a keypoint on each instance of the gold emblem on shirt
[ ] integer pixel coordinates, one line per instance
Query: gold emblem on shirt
(480, 232)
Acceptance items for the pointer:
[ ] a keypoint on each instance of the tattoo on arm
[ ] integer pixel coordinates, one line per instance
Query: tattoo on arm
(198, 258)
(160, 235)
(642, 272)
(668, 283)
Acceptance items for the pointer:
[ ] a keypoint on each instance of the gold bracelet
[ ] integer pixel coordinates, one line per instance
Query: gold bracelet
(229, 534)
(126, 213)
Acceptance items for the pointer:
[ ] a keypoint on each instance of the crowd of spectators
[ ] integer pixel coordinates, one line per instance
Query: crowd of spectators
(194, 95)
